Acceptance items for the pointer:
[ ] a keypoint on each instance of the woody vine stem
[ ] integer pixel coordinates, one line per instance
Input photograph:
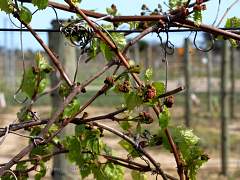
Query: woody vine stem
(86, 146)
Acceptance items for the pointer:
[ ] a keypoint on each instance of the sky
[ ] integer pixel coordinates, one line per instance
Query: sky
(125, 7)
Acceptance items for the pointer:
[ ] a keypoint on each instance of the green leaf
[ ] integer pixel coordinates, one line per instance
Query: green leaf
(25, 14)
(41, 4)
(64, 90)
(197, 17)
(106, 51)
(233, 22)
(148, 74)
(164, 118)
(132, 100)
(24, 114)
(21, 167)
(75, 2)
(112, 10)
(188, 144)
(112, 171)
(159, 86)
(42, 172)
(5, 6)
(173, 4)
(35, 79)
(129, 148)
(119, 39)
(71, 109)
(28, 83)
(125, 125)
(42, 63)
(136, 175)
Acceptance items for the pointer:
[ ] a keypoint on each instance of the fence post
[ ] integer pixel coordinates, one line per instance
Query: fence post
(136, 53)
(224, 109)
(62, 169)
(209, 82)
(187, 72)
(232, 76)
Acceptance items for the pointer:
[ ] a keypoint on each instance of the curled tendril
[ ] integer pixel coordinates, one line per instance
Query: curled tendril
(168, 48)
(78, 34)
(211, 46)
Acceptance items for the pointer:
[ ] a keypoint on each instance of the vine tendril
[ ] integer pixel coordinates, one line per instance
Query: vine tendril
(200, 49)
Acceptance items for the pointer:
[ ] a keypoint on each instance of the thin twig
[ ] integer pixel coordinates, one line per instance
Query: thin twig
(140, 36)
(53, 58)
(134, 144)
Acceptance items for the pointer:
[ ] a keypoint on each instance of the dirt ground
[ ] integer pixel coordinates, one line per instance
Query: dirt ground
(13, 144)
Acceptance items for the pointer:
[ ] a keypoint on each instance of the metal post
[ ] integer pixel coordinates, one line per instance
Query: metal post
(232, 77)
(209, 83)
(62, 169)
(224, 109)
(136, 53)
(187, 70)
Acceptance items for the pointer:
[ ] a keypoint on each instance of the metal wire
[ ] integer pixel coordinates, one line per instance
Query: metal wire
(235, 30)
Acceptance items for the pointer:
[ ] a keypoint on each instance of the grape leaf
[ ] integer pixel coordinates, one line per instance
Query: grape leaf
(164, 118)
(5, 6)
(159, 86)
(132, 100)
(71, 109)
(25, 14)
(148, 74)
(136, 175)
(75, 2)
(233, 22)
(41, 4)
(129, 148)
(21, 167)
(197, 17)
(188, 144)
(106, 51)
(42, 172)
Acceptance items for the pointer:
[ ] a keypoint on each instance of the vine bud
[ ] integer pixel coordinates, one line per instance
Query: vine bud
(169, 101)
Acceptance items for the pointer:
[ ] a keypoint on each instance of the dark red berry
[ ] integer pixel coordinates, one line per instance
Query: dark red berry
(150, 92)
(169, 101)
(146, 117)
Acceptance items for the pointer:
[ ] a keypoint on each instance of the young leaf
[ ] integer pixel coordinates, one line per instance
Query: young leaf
(28, 83)
(75, 2)
(148, 74)
(129, 148)
(159, 86)
(106, 51)
(125, 125)
(24, 114)
(164, 118)
(25, 14)
(21, 167)
(42, 172)
(119, 39)
(136, 175)
(5, 6)
(233, 22)
(41, 4)
(132, 100)
(197, 17)
(71, 109)
(192, 153)
(42, 63)
(112, 10)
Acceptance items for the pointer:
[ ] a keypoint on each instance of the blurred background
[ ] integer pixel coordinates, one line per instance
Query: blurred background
(209, 106)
